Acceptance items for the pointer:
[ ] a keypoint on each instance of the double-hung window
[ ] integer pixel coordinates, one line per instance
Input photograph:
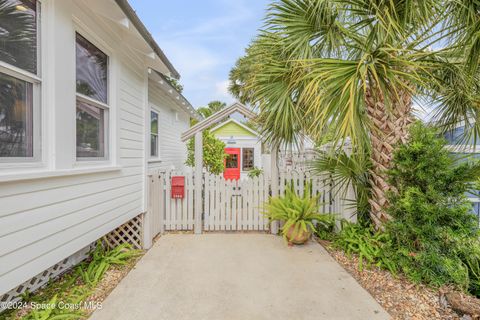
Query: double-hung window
(19, 81)
(153, 134)
(92, 101)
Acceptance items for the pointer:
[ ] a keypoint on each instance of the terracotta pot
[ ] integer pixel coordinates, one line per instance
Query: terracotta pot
(300, 238)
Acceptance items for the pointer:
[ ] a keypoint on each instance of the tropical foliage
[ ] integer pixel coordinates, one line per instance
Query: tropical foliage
(368, 244)
(432, 216)
(213, 153)
(348, 170)
(297, 212)
(65, 298)
(433, 237)
(102, 259)
(211, 108)
(255, 172)
(352, 68)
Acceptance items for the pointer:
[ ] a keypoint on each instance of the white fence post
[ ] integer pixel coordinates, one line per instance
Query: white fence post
(198, 184)
(147, 216)
(274, 226)
(349, 196)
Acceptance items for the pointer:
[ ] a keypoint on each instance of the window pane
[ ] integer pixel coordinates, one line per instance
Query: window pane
(154, 123)
(16, 117)
(18, 33)
(232, 161)
(154, 145)
(92, 70)
(90, 131)
(248, 159)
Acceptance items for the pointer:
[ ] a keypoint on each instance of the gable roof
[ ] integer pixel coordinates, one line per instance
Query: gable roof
(138, 24)
(217, 117)
(237, 123)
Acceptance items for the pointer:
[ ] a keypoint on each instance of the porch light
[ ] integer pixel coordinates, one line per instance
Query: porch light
(231, 140)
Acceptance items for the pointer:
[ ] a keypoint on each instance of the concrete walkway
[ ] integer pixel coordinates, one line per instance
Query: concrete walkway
(237, 276)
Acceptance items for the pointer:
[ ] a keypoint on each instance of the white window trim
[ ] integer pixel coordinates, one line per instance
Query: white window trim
(157, 157)
(36, 81)
(253, 155)
(106, 107)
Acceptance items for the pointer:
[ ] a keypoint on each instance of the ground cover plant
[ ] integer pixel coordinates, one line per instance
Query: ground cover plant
(64, 297)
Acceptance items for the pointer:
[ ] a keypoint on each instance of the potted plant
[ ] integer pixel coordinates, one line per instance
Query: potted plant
(297, 213)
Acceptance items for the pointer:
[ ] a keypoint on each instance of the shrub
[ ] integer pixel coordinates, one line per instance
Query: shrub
(432, 219)
(368, 244)
(325, 228)
(213, 153)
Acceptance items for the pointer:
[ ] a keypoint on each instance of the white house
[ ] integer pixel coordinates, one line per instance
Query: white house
(85, 112)
(243, 146)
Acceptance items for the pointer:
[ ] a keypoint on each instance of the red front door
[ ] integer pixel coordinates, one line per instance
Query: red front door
(232, 164)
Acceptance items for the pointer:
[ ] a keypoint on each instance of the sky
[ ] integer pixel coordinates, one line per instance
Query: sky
(203, 39)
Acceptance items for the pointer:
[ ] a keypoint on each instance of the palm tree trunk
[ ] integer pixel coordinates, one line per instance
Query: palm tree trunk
(390, 127)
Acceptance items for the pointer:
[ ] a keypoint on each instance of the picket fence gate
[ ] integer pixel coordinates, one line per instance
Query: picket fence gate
(234, 205)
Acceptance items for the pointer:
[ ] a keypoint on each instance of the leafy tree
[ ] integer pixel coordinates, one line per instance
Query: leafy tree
(213, 153)
(353, 67)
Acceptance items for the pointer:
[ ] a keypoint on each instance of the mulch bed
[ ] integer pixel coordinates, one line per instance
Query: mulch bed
(399, 297)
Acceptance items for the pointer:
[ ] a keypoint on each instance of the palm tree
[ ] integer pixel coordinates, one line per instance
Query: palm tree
(354, 67)
(211, 108)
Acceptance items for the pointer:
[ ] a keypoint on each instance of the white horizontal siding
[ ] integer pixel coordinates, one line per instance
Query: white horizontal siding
(46, 220)
(173, 151)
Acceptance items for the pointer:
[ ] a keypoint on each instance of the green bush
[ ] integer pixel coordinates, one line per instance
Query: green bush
(325, 228)
(367, 243)
(432, 219)
(213, 153)
(255, 172)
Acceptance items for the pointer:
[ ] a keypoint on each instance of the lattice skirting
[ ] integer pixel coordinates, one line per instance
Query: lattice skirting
(130, 232)
(42, 279)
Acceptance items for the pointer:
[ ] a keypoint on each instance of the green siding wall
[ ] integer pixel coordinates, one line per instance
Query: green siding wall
(232, 129)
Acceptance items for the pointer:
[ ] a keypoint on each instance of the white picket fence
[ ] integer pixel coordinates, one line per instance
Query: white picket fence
(235, 205)
(331, 200)
(231, 205)
(167, 213)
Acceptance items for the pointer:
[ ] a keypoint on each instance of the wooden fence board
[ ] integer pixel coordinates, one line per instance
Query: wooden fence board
(231, 205)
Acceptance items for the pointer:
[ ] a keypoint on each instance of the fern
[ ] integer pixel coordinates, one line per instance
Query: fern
(298, 213)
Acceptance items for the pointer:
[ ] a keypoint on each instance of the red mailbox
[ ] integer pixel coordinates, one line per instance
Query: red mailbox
(178, 187)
